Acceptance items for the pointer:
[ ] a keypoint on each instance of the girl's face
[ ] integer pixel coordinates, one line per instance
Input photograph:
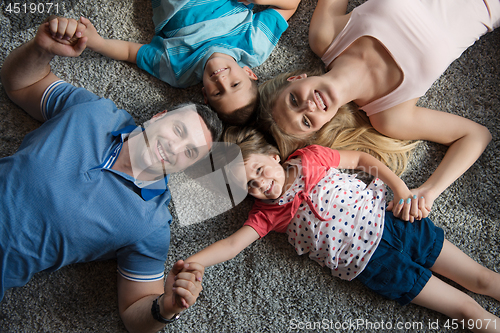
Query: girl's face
(265, 176)
(305, 105)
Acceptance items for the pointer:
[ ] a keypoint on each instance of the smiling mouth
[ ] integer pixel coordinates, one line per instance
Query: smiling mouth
(320, 100)
(162, 152)
(218, 72)
(269, 188)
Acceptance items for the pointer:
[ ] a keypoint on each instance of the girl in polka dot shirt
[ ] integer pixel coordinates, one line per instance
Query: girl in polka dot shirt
(342, 223)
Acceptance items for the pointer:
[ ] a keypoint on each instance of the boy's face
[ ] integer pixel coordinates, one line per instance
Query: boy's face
(171, 142)
(226, 85)
(265, 176)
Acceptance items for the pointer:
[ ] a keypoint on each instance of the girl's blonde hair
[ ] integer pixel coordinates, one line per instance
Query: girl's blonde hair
(349, 129)
(250, 141)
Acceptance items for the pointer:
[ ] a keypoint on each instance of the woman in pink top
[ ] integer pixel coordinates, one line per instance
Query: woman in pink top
(383, 56)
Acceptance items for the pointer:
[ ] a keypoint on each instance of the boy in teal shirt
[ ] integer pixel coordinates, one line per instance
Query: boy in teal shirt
(215, 42)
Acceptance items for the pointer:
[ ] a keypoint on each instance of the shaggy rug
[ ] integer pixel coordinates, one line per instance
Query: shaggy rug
(267, 288)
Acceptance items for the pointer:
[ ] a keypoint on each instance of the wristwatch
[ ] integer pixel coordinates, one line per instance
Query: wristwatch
(155, 311)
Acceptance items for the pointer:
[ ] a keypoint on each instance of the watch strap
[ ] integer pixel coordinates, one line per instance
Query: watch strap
(155, 312)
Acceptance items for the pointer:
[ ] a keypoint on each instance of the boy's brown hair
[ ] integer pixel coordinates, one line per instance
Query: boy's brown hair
(246, 114)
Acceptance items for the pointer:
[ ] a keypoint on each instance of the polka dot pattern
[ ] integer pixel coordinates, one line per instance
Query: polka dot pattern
(354, 214)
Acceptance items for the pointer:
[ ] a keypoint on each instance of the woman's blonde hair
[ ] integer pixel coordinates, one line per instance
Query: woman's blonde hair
(349, 129)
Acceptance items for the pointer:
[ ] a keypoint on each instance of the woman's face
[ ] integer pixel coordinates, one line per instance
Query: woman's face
(305, 105)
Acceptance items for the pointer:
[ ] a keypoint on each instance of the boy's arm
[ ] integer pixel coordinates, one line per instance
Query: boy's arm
(111, 48)
(225, 249)
(285, 7)
(405, 202)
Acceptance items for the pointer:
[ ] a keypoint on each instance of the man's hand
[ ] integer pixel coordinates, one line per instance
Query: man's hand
(26, 71)
(182, 287)
(61, 36)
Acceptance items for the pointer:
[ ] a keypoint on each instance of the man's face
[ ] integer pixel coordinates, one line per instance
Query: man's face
(171, 142)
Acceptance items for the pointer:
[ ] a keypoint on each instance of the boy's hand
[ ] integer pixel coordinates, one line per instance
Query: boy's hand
(94, 39)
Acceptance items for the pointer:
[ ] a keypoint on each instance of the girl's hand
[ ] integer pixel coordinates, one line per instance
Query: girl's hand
(410, 205)
(405, 208)
(183, 286)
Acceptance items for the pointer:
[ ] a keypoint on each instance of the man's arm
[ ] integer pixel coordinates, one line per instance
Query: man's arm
(26, 71)
(136, 298)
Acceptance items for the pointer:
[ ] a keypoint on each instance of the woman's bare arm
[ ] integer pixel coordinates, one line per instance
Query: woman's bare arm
(329, 18)
(466, 140)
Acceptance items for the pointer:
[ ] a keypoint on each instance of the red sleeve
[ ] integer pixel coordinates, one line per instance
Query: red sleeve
(265, 218)
(318, 155)
(316, 160)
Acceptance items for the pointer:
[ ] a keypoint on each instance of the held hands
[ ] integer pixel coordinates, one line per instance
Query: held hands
(407, 209)
(415, 206)
(94, 39)
(426, 200)
(71, 36)
(182, 286)
(61, 36)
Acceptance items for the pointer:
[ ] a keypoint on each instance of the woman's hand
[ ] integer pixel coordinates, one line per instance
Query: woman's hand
(426, 199)
(414, 207)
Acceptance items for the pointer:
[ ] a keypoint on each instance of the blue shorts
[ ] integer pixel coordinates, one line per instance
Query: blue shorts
(400, 266)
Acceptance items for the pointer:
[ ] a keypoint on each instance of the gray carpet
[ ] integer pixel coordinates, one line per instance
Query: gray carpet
(267, 288)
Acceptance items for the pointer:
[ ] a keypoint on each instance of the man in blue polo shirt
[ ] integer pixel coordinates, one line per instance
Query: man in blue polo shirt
(89, 185)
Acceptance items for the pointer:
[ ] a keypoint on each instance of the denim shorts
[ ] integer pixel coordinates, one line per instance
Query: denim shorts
(400, 266)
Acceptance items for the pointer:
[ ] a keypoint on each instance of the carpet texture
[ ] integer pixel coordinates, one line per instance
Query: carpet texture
(267, 288)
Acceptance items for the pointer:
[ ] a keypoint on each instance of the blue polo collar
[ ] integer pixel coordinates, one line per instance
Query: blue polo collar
(149, 189)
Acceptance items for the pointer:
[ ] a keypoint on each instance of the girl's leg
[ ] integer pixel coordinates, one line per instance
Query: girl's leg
(439, 296)
(459, 267)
